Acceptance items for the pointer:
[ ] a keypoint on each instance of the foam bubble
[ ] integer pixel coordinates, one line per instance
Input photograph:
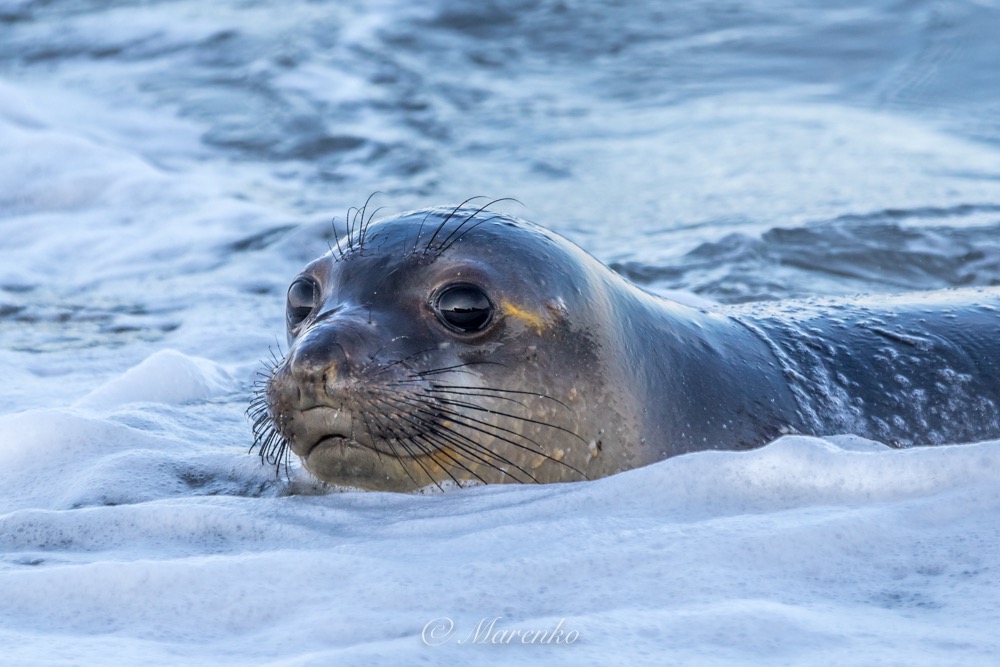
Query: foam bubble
(166, 376)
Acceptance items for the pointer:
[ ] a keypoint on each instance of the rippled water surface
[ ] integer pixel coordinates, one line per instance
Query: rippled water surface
(167, 167)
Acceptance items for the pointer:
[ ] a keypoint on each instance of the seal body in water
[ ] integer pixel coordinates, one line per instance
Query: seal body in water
(457, 346)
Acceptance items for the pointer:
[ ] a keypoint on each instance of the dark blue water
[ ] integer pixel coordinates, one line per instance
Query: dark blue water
(745, 150)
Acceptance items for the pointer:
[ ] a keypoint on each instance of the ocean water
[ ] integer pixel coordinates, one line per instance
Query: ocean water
(167, 167)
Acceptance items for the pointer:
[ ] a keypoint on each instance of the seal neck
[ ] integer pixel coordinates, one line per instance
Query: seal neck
(710, 382)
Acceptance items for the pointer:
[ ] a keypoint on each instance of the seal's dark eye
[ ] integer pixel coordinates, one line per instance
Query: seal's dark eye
(303, 296)
(464, 308)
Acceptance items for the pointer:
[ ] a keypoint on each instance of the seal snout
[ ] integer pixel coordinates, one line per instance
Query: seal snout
(321, 368)
(330, 394)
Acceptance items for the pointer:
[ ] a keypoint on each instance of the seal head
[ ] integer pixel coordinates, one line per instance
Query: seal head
(448, 346)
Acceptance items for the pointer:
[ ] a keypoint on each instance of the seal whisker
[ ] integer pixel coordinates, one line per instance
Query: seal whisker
(478, 451)
(276, 359)
(272, 446)
(383, 368)
(403, 461)
(455, 416)
(472, 449)
(378, 454)
(260, 419)
(367, 224)
(444, 222)
(441, 245)
(273, 450)
(444, 245)
(443, 451)
(374, 356)
(458, 418)
(287, 458)
(455, 368)
(336, 238)
(444, 248)
(447, 387)
(430, 432)
(431, 391)
(437, 450)
(473, 406)
(349, 226)
(363, 227)
(420, 231)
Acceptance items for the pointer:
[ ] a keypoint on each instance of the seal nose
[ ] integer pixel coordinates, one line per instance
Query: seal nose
(322, 362)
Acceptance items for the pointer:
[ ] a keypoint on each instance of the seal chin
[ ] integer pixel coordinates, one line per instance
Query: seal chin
(338, 460)
(339, 441)
(344, 462)
(325, 440)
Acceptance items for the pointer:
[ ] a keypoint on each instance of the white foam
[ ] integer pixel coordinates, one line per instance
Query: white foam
(792, 552)
(167, 376)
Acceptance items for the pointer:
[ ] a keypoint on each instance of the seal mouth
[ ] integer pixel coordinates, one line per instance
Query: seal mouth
(325, 441)
(345, 445)
(320, 427)
(335, 431)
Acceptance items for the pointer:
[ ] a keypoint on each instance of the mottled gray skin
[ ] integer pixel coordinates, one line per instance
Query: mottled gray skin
(581, 374)
(913, 369)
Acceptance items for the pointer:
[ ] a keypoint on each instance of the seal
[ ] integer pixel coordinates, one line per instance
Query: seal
(460, 346)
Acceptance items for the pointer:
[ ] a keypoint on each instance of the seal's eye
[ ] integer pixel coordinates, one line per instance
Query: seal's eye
(464, 308)
(303, 296)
